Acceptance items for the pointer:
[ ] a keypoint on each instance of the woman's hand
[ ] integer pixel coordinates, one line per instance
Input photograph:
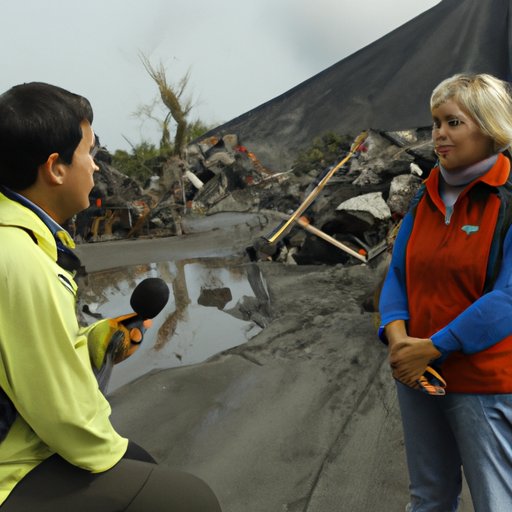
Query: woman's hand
(408, 357)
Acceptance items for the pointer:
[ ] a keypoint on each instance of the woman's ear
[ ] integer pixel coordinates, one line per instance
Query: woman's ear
(52, 171)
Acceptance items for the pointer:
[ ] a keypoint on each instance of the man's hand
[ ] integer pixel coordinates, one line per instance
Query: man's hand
(116, 337)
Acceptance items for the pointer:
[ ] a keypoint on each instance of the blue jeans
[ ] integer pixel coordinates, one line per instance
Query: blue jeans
(443, 434)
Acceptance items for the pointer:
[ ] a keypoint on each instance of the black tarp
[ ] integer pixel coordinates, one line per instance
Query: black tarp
(386, 85)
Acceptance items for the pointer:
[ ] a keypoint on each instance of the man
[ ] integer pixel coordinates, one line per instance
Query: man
(58, 449)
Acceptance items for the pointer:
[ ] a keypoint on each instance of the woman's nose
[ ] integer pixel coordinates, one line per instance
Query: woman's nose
(438, 132)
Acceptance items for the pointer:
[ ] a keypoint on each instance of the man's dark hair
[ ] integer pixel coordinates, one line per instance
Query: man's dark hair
(36, 120)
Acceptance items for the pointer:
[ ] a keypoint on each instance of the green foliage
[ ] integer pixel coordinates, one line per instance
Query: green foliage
(143, 161)
(197, 128)
(325, 150)
(146, 159)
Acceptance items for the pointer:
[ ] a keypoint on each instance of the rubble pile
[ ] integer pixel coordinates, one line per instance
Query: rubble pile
(357, 208)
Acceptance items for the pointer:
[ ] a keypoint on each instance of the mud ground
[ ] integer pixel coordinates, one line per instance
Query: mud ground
(302, 418)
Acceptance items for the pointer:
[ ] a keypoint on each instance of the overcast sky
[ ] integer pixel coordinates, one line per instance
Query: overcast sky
(240, 53)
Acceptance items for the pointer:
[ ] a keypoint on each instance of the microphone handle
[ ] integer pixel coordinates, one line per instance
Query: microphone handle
(136, 326)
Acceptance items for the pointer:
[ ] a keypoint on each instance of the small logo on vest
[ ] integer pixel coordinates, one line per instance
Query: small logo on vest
(468, 229)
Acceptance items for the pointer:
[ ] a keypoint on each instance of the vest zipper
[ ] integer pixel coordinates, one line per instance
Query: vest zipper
(448, 215)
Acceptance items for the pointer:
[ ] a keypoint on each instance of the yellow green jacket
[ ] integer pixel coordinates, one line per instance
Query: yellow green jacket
(45, 367)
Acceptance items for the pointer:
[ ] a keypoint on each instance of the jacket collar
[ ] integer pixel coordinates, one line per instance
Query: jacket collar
(496, 176)
(48, 234)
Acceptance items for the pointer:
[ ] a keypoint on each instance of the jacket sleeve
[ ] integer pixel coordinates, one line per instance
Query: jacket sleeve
(393, 304)
(44, 364)
(487, 321)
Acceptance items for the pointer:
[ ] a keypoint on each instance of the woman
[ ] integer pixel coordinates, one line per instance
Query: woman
(447, 302)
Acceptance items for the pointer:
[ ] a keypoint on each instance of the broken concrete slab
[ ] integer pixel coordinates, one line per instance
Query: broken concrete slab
(367, 206)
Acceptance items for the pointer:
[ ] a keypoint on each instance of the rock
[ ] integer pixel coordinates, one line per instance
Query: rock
(218, 161)
(109, 182)
(237, 201)
(372, 204)
(215, 297)
(382, 158)
(416, 143)
(230, 141)
(165, 215)
(211, 193)
(367, 177)
(401, 191)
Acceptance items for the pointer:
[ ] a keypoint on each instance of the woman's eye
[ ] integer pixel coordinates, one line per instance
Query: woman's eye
(454, 122)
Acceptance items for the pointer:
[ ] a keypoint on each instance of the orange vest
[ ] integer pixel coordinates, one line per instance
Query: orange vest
(446, 265)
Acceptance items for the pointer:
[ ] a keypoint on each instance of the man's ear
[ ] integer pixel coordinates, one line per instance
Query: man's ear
(53, 170)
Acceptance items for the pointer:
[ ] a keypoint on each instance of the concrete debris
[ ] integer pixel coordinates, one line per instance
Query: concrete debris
(211, 193)
(401, 192)
(357, 208)
(194, 180)
(372, 205)
(218, 161)
(416, 169)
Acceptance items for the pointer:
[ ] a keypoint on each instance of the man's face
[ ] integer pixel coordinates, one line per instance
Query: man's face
(79, 177)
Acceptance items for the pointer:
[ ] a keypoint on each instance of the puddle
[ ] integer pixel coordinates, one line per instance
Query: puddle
(214, 305)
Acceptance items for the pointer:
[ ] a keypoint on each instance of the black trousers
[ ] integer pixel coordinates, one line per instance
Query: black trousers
(134, 484)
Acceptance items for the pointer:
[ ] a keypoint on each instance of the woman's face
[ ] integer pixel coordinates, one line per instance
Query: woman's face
(458, 140)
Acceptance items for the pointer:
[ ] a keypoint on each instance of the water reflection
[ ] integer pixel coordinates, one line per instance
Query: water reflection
(214, 305)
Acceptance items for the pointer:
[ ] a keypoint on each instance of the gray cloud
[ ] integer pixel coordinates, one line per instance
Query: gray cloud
(240, 54)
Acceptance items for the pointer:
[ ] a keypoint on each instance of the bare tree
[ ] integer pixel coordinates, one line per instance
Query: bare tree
(147, 111)
(171, 96)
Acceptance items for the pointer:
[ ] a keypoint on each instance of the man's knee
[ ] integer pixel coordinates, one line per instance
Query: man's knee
(168, 489)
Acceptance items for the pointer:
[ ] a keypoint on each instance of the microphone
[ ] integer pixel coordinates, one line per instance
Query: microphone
(147, 300)
(149, 297)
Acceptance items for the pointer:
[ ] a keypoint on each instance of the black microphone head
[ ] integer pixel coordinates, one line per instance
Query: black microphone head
(149, 297)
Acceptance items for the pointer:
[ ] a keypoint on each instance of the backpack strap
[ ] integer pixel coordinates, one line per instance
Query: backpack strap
(413, 205)
(503, 224)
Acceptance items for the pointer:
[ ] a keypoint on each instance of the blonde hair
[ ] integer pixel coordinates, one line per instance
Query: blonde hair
(485, 98)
